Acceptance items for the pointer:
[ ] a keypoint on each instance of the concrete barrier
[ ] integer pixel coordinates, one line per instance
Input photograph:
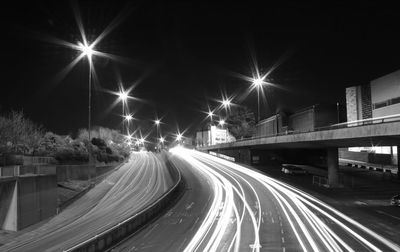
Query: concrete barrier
(110, 237)
(26, 200)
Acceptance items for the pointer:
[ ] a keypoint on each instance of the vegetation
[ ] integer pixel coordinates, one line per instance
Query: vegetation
(241, 122)
(19, 135)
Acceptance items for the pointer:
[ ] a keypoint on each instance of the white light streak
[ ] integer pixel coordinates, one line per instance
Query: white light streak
(303, 213)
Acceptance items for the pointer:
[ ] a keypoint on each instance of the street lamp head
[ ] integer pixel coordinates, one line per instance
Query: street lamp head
(162, 139)
(123, 95)
(142, 140)
(258, 82)
(221, 122)
(157, 122)
(210, 114)
(226, 103)
(179, 137)
(128, 117)
(87, 50)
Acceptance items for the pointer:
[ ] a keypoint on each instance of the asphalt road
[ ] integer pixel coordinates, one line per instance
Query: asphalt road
(123, 193)
(228, 207)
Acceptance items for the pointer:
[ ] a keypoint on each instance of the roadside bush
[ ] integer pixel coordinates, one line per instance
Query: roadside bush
(70, 155)
(100, 143)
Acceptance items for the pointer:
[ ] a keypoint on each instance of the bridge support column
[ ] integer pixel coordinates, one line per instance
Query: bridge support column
(398, 161)
(333, 167)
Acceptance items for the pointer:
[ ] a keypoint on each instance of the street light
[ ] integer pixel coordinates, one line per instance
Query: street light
(87, 50)
(123, 96)
(157, 123)
(226, 103)
(257, 83)
(128, 117)
(222, 123)
(210, 114)
(162, 140)
(179, 138)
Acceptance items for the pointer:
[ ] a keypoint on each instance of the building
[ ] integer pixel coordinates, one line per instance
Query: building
(272, 125)
(312, 118)
(304, 120)
(380, 99)
(213, 135)
(376, 99)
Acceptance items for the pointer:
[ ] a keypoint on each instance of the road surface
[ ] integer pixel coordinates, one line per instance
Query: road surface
(122, 194)
(228, 207)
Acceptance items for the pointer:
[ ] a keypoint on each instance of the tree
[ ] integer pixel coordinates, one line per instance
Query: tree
(241, 122)
(19, 134)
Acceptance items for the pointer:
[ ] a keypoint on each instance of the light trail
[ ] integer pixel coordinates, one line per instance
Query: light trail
(303, 214)
(123, 193)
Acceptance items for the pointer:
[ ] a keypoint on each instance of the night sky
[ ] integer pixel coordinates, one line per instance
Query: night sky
(181, 55)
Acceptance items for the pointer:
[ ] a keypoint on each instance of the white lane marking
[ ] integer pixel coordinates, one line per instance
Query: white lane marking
(189, 206)
(272, 219)
(283, 239)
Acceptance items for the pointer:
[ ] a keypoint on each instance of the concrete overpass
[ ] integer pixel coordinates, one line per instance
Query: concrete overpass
(328, 139)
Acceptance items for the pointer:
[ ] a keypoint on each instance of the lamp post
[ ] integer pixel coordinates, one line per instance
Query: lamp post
(222, 123)
(337, 111)
(258, 84)
(128, 118)
(87, 50)
(124, 97)
(179, 138)
(162, 140)
(210, 114)
(157, 123)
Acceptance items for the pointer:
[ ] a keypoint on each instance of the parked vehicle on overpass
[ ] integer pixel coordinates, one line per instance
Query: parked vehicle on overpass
(395, 200)
(292, 169)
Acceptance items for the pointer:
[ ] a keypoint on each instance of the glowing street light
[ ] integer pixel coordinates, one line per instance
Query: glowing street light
(210, 114)
(226, 103)
(157, 123)
(221, 122)
(257, 83)
(128, 117)
(162, 140)
(87, 50)
(179, 137)
(123, 96)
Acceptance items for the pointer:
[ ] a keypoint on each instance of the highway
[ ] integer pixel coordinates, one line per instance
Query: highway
(123, 193)
(228, 207)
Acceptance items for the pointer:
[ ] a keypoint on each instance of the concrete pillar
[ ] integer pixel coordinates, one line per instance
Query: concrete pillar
(333, 167)
(398, 161)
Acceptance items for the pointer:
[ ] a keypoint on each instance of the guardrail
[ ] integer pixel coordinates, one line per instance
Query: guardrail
(113, 235)
(320, 181)
(359, 123)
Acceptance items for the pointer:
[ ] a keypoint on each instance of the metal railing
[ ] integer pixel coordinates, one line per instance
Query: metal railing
(352, 124)
(320, 181)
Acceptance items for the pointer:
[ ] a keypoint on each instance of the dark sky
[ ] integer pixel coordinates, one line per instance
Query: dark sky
(181, 55)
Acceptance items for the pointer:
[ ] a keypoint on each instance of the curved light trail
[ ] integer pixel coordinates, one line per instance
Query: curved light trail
(123, 193)
(242, 199)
